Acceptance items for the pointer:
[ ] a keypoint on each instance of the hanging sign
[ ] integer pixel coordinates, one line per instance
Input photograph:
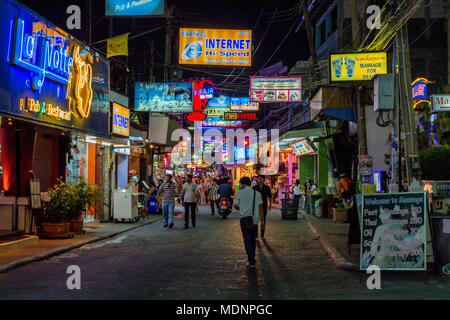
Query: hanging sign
(440, 102)
(240, 116)
(275, 89)
(243, 104)
(121, 120)
(303, 147)
(393, 232)
(163, 97)
(357, 66)
(215, 47)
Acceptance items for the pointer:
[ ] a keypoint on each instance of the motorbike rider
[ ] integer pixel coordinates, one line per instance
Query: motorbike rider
(226, 190)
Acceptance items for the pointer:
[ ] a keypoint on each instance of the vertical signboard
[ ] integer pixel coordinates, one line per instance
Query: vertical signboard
(393, 232)
(121, 120)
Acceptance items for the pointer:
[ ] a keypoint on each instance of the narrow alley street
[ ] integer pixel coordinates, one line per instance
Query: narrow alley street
(208, 262)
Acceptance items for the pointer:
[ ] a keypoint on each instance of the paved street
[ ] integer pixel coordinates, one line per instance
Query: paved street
(208, 262)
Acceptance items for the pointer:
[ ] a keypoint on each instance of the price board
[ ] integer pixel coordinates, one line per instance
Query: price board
(393, 231)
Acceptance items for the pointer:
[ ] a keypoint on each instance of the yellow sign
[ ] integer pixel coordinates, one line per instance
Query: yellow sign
(357, 66)
(44, 108)
(121, 120)
(118, 46)
(215, 47)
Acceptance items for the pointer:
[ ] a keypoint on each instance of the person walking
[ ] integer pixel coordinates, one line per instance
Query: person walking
(214, 197)
(250, 206)
(167, 189)
(297, 194)
(266, 195)
(190, 192)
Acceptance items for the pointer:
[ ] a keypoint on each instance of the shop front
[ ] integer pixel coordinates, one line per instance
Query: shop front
(53, 88)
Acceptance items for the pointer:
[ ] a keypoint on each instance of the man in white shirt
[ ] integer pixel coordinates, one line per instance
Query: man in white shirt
(249, 204)
(190, 192)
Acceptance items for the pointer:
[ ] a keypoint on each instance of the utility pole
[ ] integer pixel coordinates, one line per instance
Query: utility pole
(362, 141)
(448, 45)
(168, 53)
(152, 61)
(312, 48)
(407, 112)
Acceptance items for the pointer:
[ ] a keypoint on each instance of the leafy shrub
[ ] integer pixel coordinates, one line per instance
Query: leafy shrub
(434, 163)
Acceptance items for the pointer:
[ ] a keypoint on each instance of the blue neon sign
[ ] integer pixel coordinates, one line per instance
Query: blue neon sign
(37, 54)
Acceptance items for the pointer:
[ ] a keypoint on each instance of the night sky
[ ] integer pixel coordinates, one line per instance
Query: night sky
(230, 14)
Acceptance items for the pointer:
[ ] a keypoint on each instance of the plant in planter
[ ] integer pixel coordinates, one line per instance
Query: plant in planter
(83, 195)
(57, 210)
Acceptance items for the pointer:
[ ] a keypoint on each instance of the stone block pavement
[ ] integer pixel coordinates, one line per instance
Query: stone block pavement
(209, 262)
(46, 248)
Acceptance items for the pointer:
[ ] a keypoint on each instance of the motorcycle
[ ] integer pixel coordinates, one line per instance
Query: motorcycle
(224, 207)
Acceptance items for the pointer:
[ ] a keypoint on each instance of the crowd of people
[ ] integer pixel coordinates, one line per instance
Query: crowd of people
(253, 201)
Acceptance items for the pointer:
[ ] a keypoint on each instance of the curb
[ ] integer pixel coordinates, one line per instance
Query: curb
(39, 257)
(340, 262)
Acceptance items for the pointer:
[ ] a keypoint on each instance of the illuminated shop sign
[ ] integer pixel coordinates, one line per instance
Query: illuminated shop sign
(275, 89)
(440, 102)
(243, 104)
(121, 120)
(240, 116)
(204, 90)
(357, 66)
(163, 97)
(215, 47)
(218, 122)
(49, 76)
(134, 7)
(419, 91)
(38, 54)
(303, 147)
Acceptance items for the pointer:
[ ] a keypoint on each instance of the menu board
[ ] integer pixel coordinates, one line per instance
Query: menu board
(275, 89)
(393, 231)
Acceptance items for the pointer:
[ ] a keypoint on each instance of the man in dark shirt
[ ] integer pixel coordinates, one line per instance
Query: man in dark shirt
(225, 190)
(266, 195)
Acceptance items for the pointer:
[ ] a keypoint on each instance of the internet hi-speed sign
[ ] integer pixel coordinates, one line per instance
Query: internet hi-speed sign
(215, 47)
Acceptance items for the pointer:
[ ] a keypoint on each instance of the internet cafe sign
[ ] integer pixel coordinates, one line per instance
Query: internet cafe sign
(50, 77)
(440, 102)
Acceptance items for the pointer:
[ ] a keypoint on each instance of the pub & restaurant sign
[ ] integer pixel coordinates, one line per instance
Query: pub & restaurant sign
(50, 77)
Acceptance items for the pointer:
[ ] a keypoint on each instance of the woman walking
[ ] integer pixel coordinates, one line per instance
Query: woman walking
(297, 194)
(214, 197)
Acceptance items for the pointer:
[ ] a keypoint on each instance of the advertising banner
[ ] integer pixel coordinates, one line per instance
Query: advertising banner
(240, 116)
(216, 107)
(357, 66)
(49, 77)
(121, 120)
(303, 147)
(243, 104)
(163, 97)
(275, 89)
(220, 123)
(217, 47)
(440, 102)
(393, 232)
(134, 7)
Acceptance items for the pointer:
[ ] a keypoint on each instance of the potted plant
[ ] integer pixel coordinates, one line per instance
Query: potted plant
(56, 211)
(83, 195)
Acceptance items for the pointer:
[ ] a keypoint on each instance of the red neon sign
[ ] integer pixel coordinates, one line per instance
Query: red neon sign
(200, 100)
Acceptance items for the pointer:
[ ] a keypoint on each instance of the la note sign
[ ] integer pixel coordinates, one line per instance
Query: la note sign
(440, 102)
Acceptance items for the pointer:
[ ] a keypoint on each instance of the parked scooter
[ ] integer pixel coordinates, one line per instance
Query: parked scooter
(224, 207)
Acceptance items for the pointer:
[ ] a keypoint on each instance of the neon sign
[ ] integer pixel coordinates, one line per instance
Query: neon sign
(37, 54)
(48, 57)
